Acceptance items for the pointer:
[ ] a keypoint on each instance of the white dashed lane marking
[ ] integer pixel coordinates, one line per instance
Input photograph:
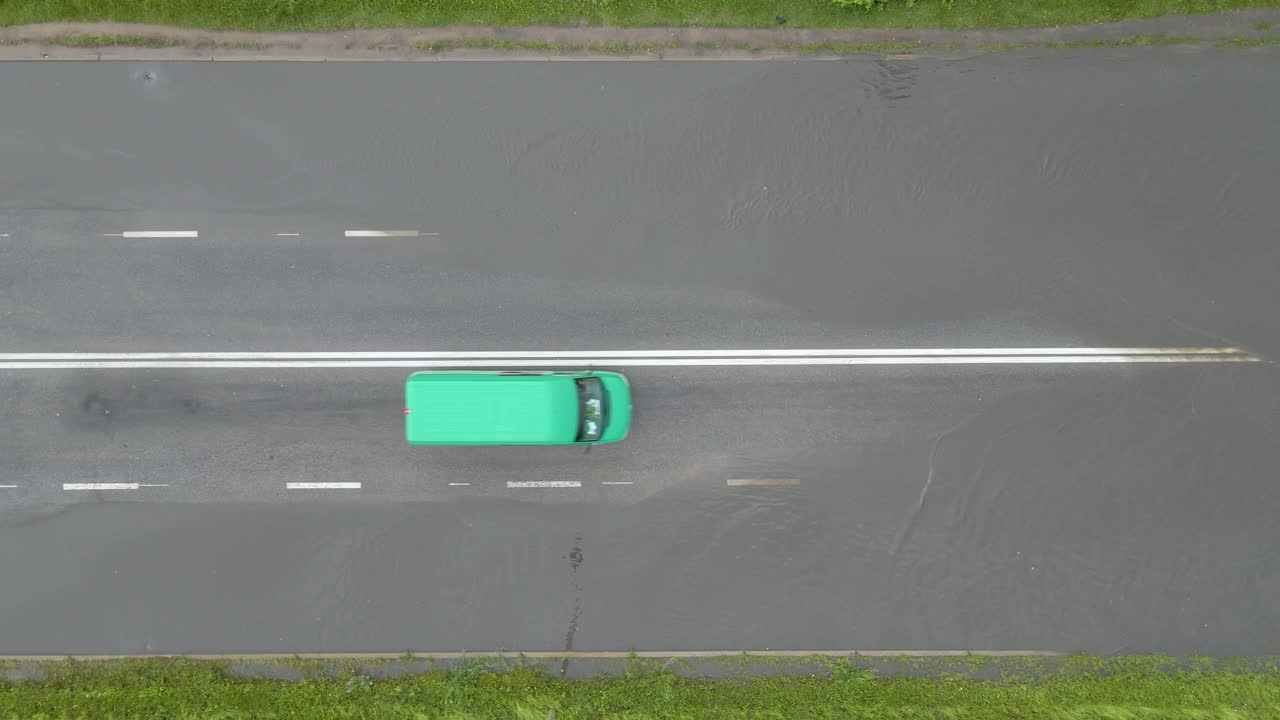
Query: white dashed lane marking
(545, 484)
(322, 486)
(754, 482)
(385, 233)
(151, 234)
(107, 486)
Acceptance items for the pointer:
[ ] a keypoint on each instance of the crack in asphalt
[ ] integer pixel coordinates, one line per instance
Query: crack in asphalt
(905, 530)
(575, 561)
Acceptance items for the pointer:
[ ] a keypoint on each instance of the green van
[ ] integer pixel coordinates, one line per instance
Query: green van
(452, 407)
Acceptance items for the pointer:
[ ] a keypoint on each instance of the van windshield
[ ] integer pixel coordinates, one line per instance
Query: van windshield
(591, 409)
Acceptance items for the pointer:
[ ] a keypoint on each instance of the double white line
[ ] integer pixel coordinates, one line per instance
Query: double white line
(625, 358)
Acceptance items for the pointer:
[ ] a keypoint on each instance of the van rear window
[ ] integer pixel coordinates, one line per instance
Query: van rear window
(591, 409)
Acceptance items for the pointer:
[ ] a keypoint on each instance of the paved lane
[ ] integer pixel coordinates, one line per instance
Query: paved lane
(1076, 200)
(209, 435)
(979, 509)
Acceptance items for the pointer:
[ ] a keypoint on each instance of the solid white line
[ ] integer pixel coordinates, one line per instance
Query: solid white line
(545, 484)
(100, 486)
(589, 354)
(606, 482)
(625, 362)
(323, 486)
(751, 482)
(458, 484)
(382, 233)
(158, 234)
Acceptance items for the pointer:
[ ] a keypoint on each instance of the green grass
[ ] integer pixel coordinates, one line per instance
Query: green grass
(342, 14)
(92, 41)
(1128, 688)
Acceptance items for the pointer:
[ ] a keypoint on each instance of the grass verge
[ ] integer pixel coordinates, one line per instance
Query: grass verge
(1132, 41)
(1250, 42)
(92, 41)
(1141, 687)
(607, 48)
(618, 48)
(677, 49)
(342, 14)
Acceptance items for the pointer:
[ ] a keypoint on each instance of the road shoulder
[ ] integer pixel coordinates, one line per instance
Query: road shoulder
(1246, 29)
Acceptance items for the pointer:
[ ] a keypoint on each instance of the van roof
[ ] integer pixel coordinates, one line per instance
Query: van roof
(490, 408)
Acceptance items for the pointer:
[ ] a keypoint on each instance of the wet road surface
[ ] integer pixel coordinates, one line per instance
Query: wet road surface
(1039, 200)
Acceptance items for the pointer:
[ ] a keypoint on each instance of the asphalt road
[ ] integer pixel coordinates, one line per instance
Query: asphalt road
(1062, 200)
